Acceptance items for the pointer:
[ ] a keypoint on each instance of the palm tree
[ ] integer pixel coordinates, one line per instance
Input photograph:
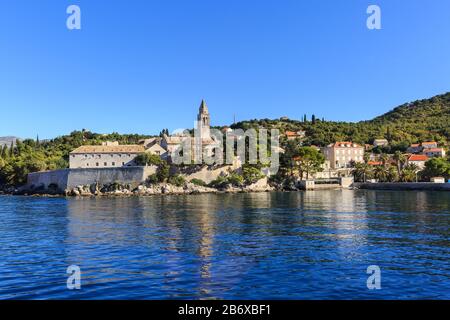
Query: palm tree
(384, 158)
(409, 173)
(400, 159)
(366, 157)
(391, 174)
(362, 172)
(380, 173)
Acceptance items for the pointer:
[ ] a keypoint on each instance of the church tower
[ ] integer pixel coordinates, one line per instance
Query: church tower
(203, 121)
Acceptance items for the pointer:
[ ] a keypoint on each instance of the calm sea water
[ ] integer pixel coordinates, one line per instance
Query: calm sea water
(314, 245)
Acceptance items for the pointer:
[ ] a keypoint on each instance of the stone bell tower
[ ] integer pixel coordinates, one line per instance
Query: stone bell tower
(203, 121)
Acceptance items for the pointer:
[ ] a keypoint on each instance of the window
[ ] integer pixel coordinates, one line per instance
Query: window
(123, 163)
(96, 164)
(85, 155)
(105, 164)
(113, 164)
(87, 164)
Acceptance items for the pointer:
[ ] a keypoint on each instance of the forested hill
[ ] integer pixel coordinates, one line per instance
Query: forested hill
(427, 119)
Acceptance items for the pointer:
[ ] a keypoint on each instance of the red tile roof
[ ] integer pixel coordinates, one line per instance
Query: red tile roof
(433, 150)
(375, 163)
(292, 134)
(418, 157)
(109, 149)
(340, 144)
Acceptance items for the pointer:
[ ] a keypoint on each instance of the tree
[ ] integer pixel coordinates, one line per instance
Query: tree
(366, 157)
(409, 173)
(251, 173)
(362, 172)
(380, 173)
(148, 159)
(309, 160)
(391, 174)
(400, 160)
(436, 167)
(384, 159)
(163, 171)
(236, 179)
(11, 150)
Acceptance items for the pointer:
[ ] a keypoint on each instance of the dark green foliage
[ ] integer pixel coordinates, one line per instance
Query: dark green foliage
(198, 182)
(251, 173)
(410, 123)
(235, 180)
(436, 167)
(147, 159)
(152, 179)
(33, 155)
(220, 183)
(177, 180)
(163, 172)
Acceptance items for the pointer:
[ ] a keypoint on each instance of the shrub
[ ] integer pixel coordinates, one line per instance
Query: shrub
(235, 179)
(219, 183)
(198, 182)
(148, 159)
(251, 174)
(177, 180)
(163, 172)
(152, 179)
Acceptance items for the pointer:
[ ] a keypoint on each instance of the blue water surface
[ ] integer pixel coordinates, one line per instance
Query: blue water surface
(300, 245)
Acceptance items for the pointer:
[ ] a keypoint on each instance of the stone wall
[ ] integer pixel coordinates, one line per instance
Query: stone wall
(70, 178)
(208, 174)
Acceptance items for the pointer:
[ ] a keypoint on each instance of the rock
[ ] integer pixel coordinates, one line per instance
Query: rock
(259, 186)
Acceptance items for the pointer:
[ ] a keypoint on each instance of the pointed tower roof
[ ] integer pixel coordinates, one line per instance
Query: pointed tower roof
(203, 107)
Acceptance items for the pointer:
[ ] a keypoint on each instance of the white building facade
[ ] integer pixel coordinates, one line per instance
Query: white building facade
(108, 155)
(343, 154)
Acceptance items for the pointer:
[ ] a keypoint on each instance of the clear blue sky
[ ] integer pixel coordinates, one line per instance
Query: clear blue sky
(138, 66)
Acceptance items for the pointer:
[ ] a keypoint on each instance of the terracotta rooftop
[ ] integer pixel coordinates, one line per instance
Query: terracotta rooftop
(418, 157)
(433, 150)
(293, 134)
(429, 142)
(341, 144)
(109, 149)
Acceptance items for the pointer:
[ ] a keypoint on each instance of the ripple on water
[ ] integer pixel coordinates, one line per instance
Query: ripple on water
(300, 245)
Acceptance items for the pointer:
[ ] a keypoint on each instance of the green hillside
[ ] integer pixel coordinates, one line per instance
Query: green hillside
(422, 120)
(427, 119)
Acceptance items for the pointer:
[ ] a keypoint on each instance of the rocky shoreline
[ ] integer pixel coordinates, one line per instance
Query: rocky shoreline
(116, 189)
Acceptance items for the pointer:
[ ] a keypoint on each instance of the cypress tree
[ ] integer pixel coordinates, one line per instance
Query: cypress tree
(11, 149)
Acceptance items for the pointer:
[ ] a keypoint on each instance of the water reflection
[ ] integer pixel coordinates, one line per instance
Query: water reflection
(238, 246)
